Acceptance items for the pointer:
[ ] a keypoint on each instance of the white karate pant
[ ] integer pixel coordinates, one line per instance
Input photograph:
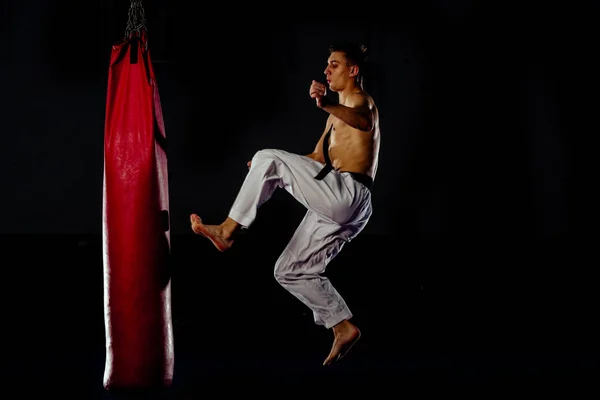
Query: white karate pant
(338, 209)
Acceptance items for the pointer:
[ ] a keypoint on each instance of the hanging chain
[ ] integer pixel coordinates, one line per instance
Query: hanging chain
(137, 19)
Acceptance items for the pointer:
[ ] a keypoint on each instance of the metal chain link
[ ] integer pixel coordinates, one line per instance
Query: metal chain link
(137, 20)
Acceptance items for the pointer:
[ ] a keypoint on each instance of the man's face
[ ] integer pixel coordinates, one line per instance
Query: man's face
(338, 74)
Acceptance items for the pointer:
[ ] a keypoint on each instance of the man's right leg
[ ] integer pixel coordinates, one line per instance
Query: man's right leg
(258, 187)
(221, 235)
(269, 170)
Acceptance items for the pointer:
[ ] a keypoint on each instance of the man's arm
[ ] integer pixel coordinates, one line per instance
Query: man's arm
(357, 113)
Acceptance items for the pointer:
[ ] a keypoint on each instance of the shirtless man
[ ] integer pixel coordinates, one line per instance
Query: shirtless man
(334, 183)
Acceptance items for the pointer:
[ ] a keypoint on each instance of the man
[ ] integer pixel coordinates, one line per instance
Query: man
(334, 183)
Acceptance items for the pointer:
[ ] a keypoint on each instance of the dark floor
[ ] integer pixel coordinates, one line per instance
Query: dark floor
(437, 316)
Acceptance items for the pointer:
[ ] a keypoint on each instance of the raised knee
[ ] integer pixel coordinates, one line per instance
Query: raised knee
(279, 276)
(264, 154)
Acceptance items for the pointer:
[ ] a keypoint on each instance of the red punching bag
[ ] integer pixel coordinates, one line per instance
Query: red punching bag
(136, 233)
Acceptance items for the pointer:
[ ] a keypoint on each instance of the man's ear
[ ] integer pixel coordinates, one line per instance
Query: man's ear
(354, 70)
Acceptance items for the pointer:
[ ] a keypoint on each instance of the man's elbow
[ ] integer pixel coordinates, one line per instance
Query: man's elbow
(366, 125)
(315, 156)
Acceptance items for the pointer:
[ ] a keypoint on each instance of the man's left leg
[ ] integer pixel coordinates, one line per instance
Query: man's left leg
(300, 270)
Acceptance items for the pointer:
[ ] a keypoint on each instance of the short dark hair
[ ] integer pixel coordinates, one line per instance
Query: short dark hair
(356, 54)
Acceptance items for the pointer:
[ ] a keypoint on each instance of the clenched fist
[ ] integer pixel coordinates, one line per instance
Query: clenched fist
(317, 92)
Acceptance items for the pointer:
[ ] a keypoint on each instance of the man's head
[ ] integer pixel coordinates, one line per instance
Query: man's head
(345, 66)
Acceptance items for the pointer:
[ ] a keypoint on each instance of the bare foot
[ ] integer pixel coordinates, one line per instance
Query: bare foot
(213, 232)
(345, 335)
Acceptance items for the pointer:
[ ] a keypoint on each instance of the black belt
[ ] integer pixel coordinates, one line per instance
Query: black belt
(328, 166)
(361, 178)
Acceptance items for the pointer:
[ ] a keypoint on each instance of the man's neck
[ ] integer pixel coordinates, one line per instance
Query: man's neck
(351, 89)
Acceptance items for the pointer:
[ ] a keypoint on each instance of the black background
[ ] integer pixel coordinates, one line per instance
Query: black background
(474, 270)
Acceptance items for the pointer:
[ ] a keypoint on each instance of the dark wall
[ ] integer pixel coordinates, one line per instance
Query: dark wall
(475, 107)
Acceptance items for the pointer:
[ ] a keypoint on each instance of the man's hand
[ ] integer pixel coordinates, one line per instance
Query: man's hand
(317, 91)
(249, 163)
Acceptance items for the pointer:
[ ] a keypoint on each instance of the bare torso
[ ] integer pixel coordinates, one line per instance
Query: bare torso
(352, 150)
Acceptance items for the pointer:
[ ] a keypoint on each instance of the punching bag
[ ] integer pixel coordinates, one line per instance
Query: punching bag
(136, 233)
